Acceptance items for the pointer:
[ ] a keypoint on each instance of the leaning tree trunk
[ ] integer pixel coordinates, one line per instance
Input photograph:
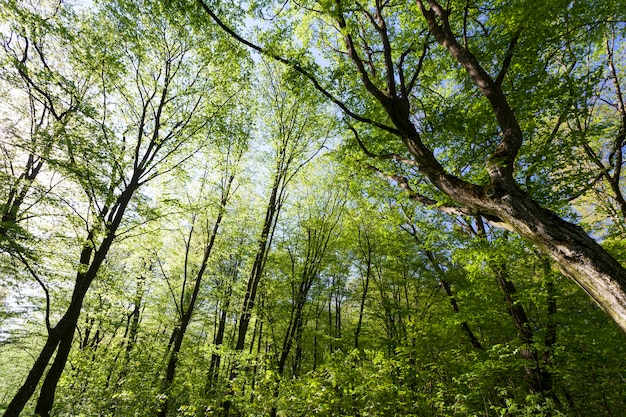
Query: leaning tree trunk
(502, 201)
(578, 255)
(64, 330)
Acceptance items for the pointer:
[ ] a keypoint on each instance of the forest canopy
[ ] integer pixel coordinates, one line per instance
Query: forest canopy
(296, 208)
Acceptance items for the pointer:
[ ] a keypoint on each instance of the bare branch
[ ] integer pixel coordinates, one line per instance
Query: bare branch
(169, 286)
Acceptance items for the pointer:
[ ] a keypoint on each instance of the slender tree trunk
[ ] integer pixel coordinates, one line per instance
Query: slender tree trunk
(464, 325)
(537, 377)
(295, 325)
(551, 331)
(318, 312)
(133, 323)
(214, 367)
(89, 324)
(367, 254)
(187, 311)
(231, 276)
(17, 193)
(390, 318)
(257, 335)
(257, 268)
(69, 319)
(218, 340)
(453, 303)
(297, 357)
(366, 285)
(269, 223)
(338, 313)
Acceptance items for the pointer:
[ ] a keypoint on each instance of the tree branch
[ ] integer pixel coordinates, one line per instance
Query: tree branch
(41, 284)
(403, 183)
(356, 59)
(502, 160)
(506, 64)
(392, 156)
(297, 67)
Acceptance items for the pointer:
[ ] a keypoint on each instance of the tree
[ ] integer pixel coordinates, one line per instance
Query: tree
(43, 100)
(147, 123)
(389, 78)
(194, 274)
(297, 134)
(319, 220)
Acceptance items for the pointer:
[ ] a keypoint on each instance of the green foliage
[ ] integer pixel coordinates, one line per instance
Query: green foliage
(368, 301)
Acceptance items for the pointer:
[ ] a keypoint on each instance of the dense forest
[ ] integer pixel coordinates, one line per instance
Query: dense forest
(314, 207)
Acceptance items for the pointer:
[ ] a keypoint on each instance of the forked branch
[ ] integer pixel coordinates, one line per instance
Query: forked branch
(502, 160)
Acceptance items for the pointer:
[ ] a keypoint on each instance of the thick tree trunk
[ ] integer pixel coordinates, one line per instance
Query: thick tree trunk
(27, 389)
(578, 255)
(50, 382)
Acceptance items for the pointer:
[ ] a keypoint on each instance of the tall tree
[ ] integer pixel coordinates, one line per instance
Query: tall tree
(193, 273)
(387, 77)
(306, 261)
(297, 134)
(157, 90)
